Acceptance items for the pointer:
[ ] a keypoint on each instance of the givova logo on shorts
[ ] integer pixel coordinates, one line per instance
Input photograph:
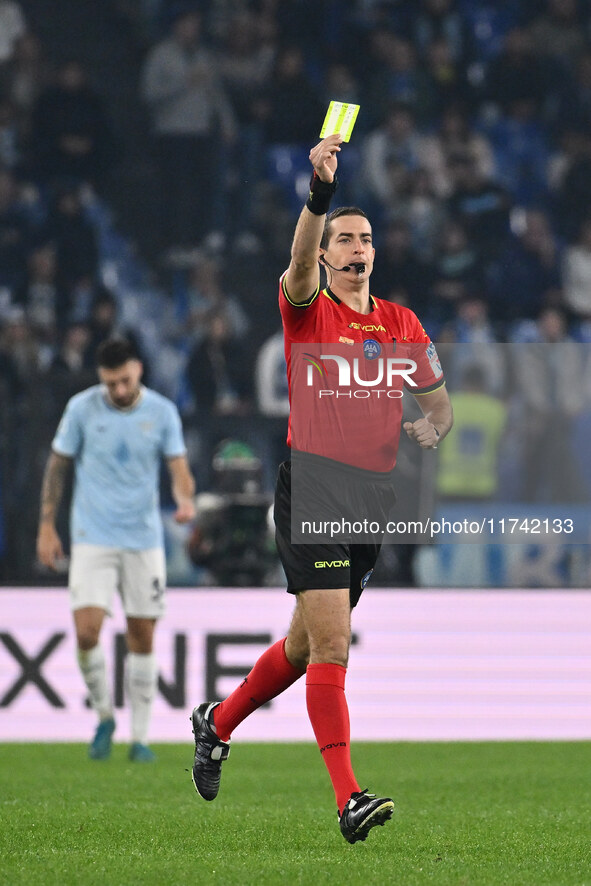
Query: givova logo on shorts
(331, 564)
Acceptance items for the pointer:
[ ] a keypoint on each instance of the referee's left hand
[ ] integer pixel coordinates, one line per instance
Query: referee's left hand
(423, 432)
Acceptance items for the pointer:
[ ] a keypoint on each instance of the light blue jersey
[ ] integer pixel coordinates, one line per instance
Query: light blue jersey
(117, 456)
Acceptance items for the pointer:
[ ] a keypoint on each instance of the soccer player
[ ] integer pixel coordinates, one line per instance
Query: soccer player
(115, 435)
(318, 639)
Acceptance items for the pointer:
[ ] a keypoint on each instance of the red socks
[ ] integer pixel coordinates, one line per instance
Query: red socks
(329, 716)
(270, 676)
(327, 709)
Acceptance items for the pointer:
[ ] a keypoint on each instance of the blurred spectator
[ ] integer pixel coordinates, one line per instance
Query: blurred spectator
(10, 147)
(46, 303)
(419, 207)
(441, 20)
(547, 372)
(272, 402)
(206, 296)
(479, 203)
(190, 114)
(11, 386)
(573, 197)
(454, 136)
(574, 103)
(73, 236)
(559, 31)
(272, 396)
(388, 153)
(393, 75)
(103, 323)
(69, 371)
(516, 74)
(15, 233)
(487, 23)
(341, 84)
(468, 469)
(471, 323)
(576, 274)
(24, 78)
(71, 354)
(473, 341)
(521, 150)
(525, 277)
(445, 82)
(21, 348)
(457, 271)
(217, 371)
(246, 61)
(293, 108)
(71, 136)
(12, 26)
(399, 274)
(570, 145)
(245, 65)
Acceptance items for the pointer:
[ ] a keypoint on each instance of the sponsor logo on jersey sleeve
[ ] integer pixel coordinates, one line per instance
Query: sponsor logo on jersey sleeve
(434, 361)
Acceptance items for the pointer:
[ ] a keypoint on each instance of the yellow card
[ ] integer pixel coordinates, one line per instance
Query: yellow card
(340, 117)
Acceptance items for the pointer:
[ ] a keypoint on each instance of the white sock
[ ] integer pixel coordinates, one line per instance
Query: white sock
(92, 666)
(141, 674)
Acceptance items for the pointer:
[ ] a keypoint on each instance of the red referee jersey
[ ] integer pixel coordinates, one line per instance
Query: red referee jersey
(347, 373)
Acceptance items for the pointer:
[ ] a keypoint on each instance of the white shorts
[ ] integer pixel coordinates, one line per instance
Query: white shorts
(139, 577)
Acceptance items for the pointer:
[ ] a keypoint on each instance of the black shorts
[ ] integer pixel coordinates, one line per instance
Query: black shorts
(328, 565)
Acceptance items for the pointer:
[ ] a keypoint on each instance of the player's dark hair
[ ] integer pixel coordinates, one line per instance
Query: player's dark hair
(337, 213)
(114, 352)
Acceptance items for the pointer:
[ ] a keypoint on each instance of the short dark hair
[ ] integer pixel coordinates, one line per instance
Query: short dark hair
(337, 213)
(114, 352)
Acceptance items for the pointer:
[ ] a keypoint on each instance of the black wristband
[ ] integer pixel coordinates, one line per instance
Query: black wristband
(321, 194)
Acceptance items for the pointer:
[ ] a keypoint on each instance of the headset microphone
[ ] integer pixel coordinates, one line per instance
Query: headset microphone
(324, 262)
(359, 266)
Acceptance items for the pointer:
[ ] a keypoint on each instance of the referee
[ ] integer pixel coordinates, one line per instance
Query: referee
(337, 451)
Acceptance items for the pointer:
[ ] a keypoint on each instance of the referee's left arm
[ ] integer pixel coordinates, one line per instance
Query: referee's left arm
(437, 419)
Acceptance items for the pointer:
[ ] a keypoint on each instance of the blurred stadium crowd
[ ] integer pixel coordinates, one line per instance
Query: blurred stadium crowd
(153, 160)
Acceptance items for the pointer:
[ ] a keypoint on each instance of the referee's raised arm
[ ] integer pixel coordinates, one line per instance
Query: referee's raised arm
(303, 275)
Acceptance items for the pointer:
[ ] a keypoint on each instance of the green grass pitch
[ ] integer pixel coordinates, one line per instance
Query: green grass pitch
(474, 814)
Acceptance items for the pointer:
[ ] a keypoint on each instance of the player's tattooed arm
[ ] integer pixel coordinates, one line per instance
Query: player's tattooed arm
(49, 546)
(183, 488)
(52, 489)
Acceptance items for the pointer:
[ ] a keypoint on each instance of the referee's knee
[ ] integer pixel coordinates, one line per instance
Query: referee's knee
(333, 651)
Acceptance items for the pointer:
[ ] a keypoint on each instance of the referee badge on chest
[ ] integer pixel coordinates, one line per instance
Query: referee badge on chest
(371, 349)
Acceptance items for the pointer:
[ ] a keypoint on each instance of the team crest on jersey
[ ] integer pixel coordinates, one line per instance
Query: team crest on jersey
(371, 349)
(434, 360)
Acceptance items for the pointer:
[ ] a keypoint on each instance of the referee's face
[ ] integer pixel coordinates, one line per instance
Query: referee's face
(350, 242)
(122, 383)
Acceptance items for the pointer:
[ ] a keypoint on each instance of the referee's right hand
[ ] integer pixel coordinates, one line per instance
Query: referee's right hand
(323, 157)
